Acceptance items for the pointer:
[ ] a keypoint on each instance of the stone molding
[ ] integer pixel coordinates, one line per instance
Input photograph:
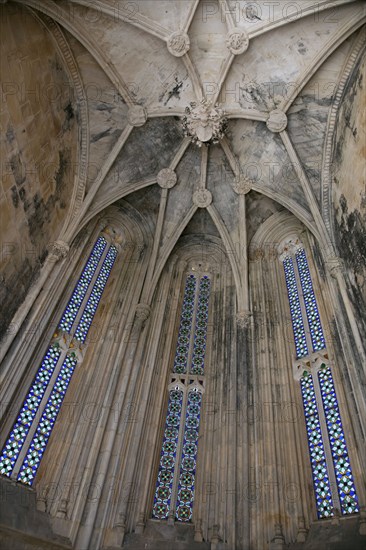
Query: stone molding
(67, 55)
(326, 181)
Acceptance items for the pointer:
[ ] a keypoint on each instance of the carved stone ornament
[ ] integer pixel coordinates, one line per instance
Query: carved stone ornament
(167, 178)
(142, 312)
(241, 185)
(237, 42)
(137, 115)
(178, 43)
(335, 266)
(58, 250)
(243, 318)
(202, 198)
(204, 123)
(256, 253)
(288, 247)
(277, 121)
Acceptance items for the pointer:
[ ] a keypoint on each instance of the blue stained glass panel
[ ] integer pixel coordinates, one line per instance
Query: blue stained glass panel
(185, 328)
(40, 439)
(200, 332)
(295, 309)
(164, 485)
(323, 495)
(342, 467)
(185, 495)
(95, 296)
(27, 413)
(316, 331)
(82, 286)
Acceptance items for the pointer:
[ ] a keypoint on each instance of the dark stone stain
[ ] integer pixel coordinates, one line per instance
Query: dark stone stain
(17, 168)
(38, 211)
(318, 259)
(174, 92)
(14, 196)
(354, 85)
(64, 162)
(10, 300)
(10, 136)
(350, 234)
(105, 107)
(22, 194)
(149, 149)
(302, 49)
(101, 135)
(69, 117)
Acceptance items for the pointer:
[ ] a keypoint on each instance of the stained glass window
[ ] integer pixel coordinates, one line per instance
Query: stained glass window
(200, 332)
(315, 327)
(27, 413)
(295, 309)
(175, 487)
(82, 286)
(323, 494)
(168, 457)
(329, 458)
(38, 414)
(95, 296)
(342, 467)
(185, 328)
(187, 472)
(40, 439)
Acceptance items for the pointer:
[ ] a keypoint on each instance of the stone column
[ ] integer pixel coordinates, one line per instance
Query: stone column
(57, 251)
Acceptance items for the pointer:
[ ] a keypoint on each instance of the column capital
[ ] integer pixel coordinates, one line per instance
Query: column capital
(143, 312)
(335, 266)
(57, 250)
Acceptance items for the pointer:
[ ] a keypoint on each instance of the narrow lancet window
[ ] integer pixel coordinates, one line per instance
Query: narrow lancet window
(27, 441)
(175, 487)
(332, 475)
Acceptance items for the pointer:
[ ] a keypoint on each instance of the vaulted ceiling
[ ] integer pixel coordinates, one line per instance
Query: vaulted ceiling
(278, 70)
